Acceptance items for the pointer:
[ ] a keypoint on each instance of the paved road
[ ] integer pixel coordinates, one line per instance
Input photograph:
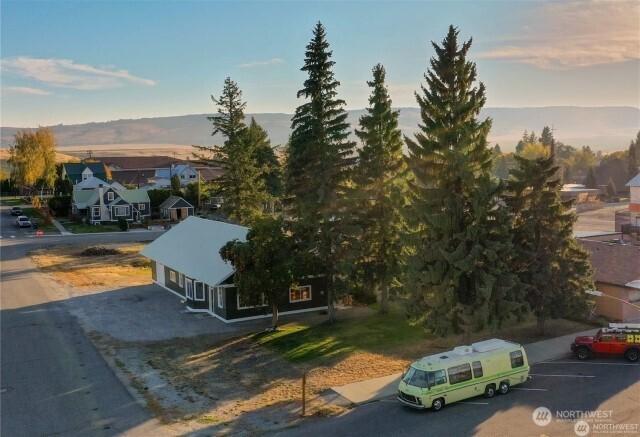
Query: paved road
(610, 386)
(53, 381)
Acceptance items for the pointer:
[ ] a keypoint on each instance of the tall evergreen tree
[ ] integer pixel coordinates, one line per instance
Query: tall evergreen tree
(381, 192)
(458, 277)
(266, 158)
(546, 137)
(320, 158)
(553, 268)
(241, 184)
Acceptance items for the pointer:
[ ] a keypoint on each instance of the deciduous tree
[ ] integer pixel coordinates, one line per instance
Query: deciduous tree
(264, 267)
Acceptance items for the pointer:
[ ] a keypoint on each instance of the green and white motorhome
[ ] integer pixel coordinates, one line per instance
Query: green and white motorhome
(485, 368)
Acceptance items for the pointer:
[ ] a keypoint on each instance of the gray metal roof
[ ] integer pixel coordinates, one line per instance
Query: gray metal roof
(192, 247)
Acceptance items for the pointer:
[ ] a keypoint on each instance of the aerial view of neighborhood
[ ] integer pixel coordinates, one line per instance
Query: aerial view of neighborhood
(320, 218)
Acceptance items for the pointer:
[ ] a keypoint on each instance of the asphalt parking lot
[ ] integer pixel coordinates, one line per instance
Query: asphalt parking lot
(571, 390)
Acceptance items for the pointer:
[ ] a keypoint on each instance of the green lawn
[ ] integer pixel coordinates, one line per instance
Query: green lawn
(391, 335)
(82, 228)
(375, 333)
(37, 214)
(11, 201)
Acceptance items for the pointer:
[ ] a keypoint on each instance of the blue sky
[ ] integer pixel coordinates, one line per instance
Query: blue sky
(69, 62)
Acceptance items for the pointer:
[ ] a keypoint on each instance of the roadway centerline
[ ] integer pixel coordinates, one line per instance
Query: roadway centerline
(565, 376)
(529, 389)
(588, 362)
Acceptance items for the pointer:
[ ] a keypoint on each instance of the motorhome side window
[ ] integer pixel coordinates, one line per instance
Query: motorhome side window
(477, 369)
(459, 373)
(516, 359)
(436, 378)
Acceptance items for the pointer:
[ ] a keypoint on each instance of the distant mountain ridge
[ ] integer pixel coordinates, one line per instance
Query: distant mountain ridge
(603, 128)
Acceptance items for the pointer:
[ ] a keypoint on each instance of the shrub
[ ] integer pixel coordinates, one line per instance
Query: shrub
(123, 224)
(60, 205)
(99, 251)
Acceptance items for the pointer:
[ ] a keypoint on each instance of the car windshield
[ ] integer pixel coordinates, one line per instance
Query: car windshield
(416, 377)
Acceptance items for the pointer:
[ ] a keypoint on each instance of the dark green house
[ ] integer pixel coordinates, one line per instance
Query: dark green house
(76, 172)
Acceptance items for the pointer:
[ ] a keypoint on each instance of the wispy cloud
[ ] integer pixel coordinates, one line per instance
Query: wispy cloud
(566, 35)
(25, 90)
(69, 74)
(253, 64)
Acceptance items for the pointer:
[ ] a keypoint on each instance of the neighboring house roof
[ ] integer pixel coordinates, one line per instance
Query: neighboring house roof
(192, 247)
(132, 177)
(92, 182)
(86, 198)
(139, 162)
(613, 262)
(134, 196)
(634, 182)
(74, 169)
(175, 202)
(209, 173)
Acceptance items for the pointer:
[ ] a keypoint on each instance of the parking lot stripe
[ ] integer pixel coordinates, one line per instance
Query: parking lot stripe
(589, 362)
(529, 389)
(474, 403)
(565, 376)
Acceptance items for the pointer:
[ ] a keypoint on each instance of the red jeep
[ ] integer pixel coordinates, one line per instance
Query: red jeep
(617, 340)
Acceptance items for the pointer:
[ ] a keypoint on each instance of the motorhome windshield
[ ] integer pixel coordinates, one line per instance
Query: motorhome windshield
(424, 379)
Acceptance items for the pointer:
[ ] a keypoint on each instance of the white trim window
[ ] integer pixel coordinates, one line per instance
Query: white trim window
(142, 206)
(95, 212)
(198, 291)
(172, 276)
(110, 196)
(220, 296)
(181, 280)
(246, 304)
(300, 294)
(121, 211)
(189, 289)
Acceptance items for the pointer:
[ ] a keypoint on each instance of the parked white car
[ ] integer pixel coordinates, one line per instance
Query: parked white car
(23, 222)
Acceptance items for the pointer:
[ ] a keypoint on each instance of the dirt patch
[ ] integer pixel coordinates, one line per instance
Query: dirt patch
(113, 265)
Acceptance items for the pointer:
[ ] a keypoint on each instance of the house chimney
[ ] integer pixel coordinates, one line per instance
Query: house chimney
(101, 196)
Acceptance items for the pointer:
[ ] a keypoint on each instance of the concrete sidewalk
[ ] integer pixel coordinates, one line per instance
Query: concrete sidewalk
(387, 386)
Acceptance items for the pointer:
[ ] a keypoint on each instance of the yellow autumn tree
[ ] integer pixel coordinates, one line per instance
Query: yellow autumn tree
(33, 157)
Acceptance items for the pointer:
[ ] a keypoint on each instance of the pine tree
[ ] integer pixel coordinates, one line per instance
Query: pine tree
(320, 158)
(242, 184)
(546, 137)
(266, 158)
(458, 277)
(591, 181)
(553, 268)
(381, 192)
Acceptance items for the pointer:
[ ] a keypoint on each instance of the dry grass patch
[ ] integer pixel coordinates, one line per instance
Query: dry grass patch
(112, 265)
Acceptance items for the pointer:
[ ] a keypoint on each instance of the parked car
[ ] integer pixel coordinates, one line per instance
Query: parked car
(23, 222)
(487, 367)
(16, 210)
(619, 339)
